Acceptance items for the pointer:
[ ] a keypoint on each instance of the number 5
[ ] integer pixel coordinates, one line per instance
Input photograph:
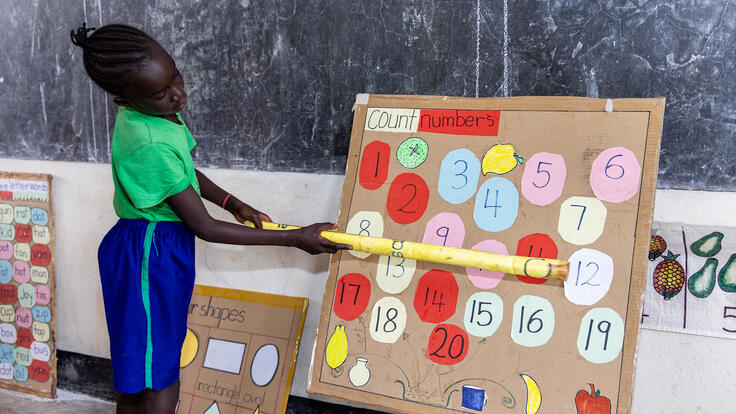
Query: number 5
(543, 178)
(539, 171)
(727, 315)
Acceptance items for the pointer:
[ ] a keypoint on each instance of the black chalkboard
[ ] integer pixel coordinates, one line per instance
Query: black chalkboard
(271, 83)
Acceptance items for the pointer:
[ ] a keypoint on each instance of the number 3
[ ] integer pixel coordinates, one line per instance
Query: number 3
(459, 173)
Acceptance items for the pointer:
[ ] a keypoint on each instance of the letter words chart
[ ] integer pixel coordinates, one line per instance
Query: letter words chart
(27, 302)
(554, 177)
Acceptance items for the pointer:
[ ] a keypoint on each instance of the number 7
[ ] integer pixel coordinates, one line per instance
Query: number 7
(581, 214)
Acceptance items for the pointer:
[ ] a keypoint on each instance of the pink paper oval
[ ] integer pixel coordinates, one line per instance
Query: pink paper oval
(486, 279)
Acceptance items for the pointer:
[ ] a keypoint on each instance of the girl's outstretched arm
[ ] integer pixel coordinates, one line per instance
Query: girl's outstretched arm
(190, 209)
(216, 195)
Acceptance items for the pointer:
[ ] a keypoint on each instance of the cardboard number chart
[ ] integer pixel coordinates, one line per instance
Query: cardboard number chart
(567, 178)
(27, 310)
(240, 351)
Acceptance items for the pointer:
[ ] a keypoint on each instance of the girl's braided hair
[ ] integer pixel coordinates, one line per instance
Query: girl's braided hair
(111, 52)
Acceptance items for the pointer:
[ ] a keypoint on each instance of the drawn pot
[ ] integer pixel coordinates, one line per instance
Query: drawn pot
(359, 373)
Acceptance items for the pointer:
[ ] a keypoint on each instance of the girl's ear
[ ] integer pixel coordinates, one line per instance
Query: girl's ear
(121, 101)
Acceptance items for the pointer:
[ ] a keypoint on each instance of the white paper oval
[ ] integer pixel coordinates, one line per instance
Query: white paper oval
(264, 365)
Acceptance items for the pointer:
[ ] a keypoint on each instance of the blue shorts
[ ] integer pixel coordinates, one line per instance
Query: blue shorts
(147, 272)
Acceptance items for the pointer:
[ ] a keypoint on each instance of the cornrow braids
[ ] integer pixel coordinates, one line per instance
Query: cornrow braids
(111, 52)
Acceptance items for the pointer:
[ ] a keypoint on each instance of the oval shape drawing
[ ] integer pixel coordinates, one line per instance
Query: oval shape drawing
(264, 365)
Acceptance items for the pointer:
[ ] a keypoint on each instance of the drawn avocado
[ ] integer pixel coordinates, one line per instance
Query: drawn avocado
(709, 245)
(727, 275)
(703, 281)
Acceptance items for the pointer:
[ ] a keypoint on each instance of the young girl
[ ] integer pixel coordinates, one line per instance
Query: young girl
(147, 259)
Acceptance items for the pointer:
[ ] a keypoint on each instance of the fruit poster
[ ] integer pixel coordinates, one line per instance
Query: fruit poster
(563, 178)
(240, 351)
(691, 280)
(27, 287)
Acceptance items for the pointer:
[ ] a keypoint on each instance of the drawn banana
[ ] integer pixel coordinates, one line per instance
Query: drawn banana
(533, 394)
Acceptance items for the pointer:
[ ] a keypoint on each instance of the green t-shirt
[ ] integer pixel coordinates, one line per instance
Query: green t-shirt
(151, 161)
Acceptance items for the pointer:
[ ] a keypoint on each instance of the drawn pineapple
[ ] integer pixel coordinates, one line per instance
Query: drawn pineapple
(669, 276)
(657, 246)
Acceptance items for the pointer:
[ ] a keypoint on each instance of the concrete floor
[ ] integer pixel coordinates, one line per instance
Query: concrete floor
(65, 403)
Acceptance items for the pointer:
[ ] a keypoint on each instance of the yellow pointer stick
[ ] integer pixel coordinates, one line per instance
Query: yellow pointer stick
(517, 265)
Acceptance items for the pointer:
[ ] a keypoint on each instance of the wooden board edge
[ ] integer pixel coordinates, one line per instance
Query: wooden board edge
(280, 301)
(351, 172)
(53, 361)
(295, 353)
(27, 176)
(39, 393)
(521, 103)
(641, 249)
(655, 106)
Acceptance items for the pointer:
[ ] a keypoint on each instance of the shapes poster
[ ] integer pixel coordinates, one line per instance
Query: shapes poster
(27, 286)
(545, 177)
(691, 280)
(240, 351)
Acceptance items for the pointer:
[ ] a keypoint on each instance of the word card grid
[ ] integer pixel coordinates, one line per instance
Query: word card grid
(27, 322)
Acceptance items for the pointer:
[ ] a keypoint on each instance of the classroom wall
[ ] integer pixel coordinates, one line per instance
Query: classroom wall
(675, 373)
(271, 83)
(271, 86)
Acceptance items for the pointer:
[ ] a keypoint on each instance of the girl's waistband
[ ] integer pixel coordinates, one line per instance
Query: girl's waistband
(161, 226)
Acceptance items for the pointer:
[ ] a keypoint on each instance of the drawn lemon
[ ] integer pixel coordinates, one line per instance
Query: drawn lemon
(189, 349)
(337, 347)
(500, 159)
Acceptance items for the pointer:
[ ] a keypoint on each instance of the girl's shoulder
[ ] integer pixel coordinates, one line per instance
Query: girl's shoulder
(134, 130)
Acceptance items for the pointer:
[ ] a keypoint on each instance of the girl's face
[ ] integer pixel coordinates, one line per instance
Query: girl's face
(157, 87)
